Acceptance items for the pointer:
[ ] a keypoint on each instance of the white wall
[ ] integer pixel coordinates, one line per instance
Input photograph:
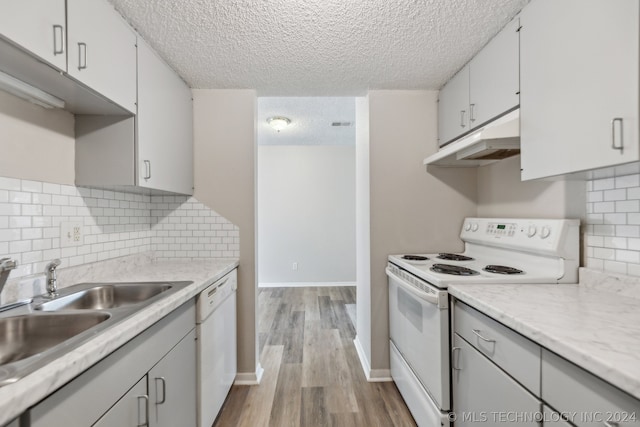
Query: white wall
(306, 214)
(363, 246)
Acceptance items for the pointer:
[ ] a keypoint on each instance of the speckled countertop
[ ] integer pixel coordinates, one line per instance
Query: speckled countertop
(595, 324)
(16, 398)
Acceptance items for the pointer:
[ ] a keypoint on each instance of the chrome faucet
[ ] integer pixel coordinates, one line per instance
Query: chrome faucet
(52, 278)
(6, 265)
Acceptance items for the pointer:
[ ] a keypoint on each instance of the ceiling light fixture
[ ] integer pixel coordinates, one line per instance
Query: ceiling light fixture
(278, 122)
(30, 93)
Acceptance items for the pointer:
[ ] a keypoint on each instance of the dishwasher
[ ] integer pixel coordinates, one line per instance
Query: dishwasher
(216, 346)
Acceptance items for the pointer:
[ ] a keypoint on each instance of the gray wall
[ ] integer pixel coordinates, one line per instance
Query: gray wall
(410, 210)
(306, 214)
(224, 150)
(36, 143)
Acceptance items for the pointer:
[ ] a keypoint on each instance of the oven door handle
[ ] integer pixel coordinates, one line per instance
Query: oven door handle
(433, 299)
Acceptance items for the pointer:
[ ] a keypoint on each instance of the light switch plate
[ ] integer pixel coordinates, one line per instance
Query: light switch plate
(71, 234)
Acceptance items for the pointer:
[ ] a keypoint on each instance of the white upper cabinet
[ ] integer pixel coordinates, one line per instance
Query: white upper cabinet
(102, 51)
(484, 89)
(493, 77)
(579, 85)
(453, 107)
(164, 126)
(37, 26)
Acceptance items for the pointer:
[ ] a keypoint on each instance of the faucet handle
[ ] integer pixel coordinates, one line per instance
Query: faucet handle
(51, 266)
(7, 264)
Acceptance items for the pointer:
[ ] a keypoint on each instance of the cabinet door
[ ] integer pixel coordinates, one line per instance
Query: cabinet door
(493, 77)
(172, 386)
(553, 419)
(483, 393)
(164, 126)
(131, 410)
(38, 26)
(102, 51)
(578, 85)
(453, 107)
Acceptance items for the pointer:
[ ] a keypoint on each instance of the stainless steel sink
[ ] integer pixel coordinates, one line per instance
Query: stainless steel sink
(105, 296)
(29, 334)
(33, 335)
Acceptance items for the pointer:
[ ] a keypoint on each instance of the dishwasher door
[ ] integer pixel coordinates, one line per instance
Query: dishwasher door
(216, 346)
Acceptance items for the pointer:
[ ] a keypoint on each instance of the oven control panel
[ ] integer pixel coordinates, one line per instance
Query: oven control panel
(533, 235)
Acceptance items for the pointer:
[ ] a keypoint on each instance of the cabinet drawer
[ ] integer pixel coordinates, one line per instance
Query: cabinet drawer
(506, 348)
(590, 400)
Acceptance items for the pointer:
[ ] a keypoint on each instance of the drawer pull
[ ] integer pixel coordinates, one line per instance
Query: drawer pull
(477, 332)
(455, 359)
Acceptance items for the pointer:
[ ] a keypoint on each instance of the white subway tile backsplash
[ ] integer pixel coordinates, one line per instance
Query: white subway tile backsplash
(628, 181)
(612, 234)
(115, 224)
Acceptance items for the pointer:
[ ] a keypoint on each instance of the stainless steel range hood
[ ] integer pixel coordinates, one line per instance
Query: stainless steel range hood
(495, 141)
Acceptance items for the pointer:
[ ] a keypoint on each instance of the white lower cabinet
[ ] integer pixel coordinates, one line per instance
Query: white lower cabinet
(130, 410)
(150, 381)
(172, 386)
(483, 394)
(586, 399)
(553, 418)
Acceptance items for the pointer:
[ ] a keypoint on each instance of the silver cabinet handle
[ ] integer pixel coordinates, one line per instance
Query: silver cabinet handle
(613, 134)
(462, 118)
(164, 390)
(454, 359)
(82, 56)
(58, 39)
(146, 410)
(147, 165)
(472, 108)
(477, 332)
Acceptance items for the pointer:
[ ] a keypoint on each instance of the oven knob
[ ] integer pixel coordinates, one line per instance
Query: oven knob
(474, 226)
(545, 232)
(467, 226)
(532, 231)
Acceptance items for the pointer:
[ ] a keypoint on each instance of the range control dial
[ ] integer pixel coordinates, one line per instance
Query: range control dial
(532, 231)
(545, 232)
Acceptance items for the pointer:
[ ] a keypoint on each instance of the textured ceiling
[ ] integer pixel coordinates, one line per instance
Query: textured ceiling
(317, 47)
(311, 120)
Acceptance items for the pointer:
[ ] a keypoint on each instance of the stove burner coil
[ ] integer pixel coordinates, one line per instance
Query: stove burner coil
(454, 257)
(456, 270)
(502, 269)
(415, 257)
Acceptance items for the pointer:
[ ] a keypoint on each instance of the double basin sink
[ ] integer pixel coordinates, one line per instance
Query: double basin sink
(38, 333)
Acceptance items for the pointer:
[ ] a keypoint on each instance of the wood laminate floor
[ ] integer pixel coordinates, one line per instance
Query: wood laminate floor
(312, 374)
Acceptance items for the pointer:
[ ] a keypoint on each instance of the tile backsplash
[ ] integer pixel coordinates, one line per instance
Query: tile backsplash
(612, 234)
(114, 224)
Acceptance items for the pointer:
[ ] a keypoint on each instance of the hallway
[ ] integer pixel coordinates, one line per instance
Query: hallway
(313, 376)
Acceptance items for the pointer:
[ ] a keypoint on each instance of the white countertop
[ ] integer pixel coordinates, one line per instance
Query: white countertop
(16, 398)
(595, 327)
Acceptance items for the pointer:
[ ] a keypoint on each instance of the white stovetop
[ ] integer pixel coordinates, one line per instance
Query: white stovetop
(595, 324)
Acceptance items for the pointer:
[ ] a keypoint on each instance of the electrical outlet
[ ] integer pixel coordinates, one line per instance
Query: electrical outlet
(294, 267)
(71, 233)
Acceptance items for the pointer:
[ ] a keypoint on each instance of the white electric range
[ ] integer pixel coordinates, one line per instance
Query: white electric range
(497, 250)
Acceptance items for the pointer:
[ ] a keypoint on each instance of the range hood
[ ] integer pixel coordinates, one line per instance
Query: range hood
(495, 141)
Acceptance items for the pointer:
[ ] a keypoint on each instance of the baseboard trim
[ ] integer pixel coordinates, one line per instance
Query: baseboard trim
(249, 378)
(304, 284)
(372, 375)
